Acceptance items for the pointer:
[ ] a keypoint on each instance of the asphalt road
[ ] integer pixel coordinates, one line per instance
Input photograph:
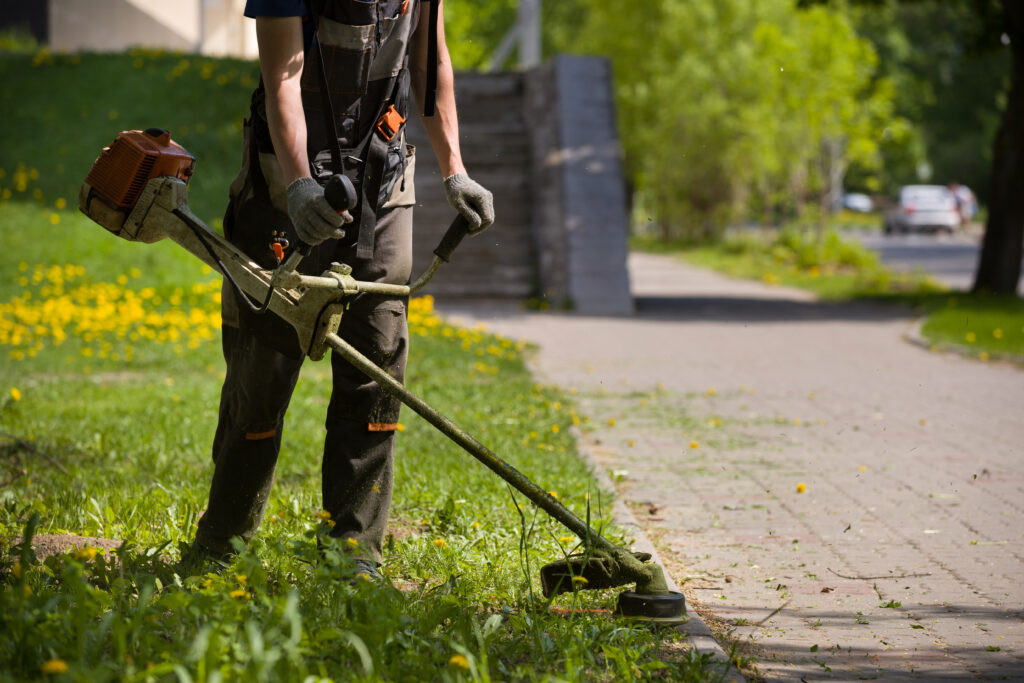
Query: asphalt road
(951, 259)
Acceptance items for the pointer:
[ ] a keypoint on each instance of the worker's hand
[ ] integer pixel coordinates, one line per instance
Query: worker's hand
(471, 200)
(313, 218)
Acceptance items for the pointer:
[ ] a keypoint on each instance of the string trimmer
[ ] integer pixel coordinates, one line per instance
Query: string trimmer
(137, 189)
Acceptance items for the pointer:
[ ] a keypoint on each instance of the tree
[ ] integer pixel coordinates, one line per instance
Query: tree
(999, 266)
(728, 104)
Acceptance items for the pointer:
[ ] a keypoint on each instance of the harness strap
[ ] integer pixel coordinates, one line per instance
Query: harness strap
(430, 96)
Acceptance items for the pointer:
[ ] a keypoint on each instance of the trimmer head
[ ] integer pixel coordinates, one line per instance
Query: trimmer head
(651, 601)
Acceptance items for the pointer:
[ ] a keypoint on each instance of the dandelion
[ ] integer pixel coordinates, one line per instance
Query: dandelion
(863, 468)
(801, 487)
(323, 515)
(440, 542)
(241, 578)
(555, 429)
(796, 421)
(997, 333)
(16, 570)
(580, 579)
(352, 543)
(632, 443)
(60, 203)
(15, 394)
(459, 661)
(694, 445)
(711, 391)
(983, 356)
(970, 337)
(611, 421)
(54, 666)
(566, 539)
(238, 593)
(86, 554)
(553, 494)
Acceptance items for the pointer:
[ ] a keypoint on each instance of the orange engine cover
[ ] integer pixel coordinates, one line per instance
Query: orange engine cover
(123, 169)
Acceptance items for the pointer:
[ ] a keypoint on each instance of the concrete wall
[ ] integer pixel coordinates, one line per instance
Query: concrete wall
(545, 143)
(213, 27)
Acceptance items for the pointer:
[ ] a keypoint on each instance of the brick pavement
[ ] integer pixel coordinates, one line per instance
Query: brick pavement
(901, 559)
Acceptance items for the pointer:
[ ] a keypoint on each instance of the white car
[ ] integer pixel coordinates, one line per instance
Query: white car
(921, 208)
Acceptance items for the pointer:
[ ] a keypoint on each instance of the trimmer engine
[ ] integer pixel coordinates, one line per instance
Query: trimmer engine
(121, 171)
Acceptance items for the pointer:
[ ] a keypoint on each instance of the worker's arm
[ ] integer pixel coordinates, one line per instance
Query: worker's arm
(464, 194)
(281, 61)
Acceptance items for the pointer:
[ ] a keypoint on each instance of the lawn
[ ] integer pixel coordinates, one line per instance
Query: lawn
(108, 397)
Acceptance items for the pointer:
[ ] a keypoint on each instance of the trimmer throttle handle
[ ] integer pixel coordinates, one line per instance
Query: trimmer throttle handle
(340, 193)
(456, 231)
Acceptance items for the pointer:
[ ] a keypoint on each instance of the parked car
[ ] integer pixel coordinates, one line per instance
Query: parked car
(923, 208)
(857, 201)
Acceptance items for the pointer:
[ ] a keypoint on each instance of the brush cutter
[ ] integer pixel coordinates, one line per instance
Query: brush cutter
(137, 189)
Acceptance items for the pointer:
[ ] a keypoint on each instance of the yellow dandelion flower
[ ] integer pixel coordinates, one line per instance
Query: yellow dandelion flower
(475, 525)
(997, 333)
(632, 443)
(238, 593)
(611, 421)
(580, 579)
(16, 570)
(711, 391)
(694, 444)
(553, 494)
(970, 337)
(440, 542)
(983, 356)
(555, 429)
(241, 578)
(363, 575)
(863, 468)
(566, 539)
(323, 515)
(923, 422)
(352, 543)
(60, 203)
(54, 666)
(801, 487)
(86, 554)
(459, 661)
(797, 421)
(15, 394)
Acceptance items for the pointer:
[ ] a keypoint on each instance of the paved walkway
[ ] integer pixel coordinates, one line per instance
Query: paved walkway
(843, 504)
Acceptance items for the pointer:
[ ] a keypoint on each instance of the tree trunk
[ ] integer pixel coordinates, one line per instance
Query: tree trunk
(1000, 263)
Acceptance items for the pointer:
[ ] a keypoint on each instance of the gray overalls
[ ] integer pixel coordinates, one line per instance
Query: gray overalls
(364, 47)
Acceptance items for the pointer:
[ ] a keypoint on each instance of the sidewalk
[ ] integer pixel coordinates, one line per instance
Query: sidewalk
(721, 400)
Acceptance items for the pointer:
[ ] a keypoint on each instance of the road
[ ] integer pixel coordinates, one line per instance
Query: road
(841, 504)
(951, 259)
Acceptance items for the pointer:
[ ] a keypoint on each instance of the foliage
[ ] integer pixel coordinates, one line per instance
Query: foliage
(951, 75)
(727, 105)
(108, 403)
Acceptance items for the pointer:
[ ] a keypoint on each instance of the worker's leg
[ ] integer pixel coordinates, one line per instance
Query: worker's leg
(256, 391)
(362, 418)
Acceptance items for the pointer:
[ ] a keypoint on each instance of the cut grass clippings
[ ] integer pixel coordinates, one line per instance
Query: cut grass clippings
(109, 390)
(983, 326)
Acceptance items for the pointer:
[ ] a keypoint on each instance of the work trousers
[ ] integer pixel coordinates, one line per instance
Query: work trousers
(361, 420)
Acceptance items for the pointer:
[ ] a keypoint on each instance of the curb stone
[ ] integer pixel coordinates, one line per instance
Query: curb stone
(697, 633)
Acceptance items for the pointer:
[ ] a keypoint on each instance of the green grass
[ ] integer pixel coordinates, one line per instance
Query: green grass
(836, 269)
(108, 398)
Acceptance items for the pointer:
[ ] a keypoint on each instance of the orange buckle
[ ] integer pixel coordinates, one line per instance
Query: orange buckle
(405, 6)
(390, 123)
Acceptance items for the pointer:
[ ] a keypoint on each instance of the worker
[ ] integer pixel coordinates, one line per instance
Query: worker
(333, 97)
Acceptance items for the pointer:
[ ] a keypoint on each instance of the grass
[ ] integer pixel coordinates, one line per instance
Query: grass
(984, 326)
(108, 397)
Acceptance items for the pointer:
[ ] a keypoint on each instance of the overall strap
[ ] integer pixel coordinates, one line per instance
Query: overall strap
(430, 96)
(330, 125)
(375, 156)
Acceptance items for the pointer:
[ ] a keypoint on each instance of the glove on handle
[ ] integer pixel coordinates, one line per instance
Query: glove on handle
(471, 200)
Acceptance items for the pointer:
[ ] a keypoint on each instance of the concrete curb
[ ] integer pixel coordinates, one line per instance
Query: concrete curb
(696, 631)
